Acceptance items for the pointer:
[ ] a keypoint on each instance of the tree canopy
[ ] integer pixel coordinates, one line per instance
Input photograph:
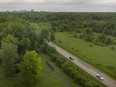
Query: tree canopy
(30, 68)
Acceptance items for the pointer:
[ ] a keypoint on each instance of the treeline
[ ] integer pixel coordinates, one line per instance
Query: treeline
(101, 26)
(77, 74)
(98, 22)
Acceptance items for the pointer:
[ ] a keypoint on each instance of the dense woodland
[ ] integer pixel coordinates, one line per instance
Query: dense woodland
(21, 42)
(98, 28)
(19, 48)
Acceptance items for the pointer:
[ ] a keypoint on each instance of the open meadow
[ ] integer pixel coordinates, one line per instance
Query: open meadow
(101, 57)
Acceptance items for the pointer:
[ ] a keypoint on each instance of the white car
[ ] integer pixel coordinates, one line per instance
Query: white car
(99, 77)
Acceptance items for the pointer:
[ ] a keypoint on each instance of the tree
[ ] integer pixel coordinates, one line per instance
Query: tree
(30, 68)
(88, 31)
(52, 37)
(44, 33)
(108, 40)
(102, 38)
(106, 31)
(10, 39)
(88, 38)
(24, 44)
(45, 48)
(114, 33)
(9, 57)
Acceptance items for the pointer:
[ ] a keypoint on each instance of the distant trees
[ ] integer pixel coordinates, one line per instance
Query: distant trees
(88, 34)
(87, 26)
(103, 39)
(88, 31)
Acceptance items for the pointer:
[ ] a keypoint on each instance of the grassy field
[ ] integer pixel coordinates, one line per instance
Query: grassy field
(102, 57)
(49, 78)
(4, 81)
(55, 78)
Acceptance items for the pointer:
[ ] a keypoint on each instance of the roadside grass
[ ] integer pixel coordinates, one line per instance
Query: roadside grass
(49, 78)
(101, 57)
(4, 81)
(55, 78)
(87, 74)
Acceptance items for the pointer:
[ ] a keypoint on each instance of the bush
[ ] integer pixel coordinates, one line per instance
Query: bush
(113, 48)
(53, 57)
(78, 75)
(60, 41)
(90, 45)
(74, 72)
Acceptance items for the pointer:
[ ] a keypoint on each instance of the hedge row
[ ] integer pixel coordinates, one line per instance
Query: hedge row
(78, 75)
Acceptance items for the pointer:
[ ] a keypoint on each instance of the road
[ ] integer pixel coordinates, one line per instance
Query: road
(86, 67)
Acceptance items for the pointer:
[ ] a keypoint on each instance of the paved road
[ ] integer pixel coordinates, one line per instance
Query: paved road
(107, 80)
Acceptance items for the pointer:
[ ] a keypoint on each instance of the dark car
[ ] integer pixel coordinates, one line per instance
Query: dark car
(71, 58)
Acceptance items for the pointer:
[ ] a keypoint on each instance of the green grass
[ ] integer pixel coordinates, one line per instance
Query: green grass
(49, 78)
(4, 81)
(54, 78)
(102, 57)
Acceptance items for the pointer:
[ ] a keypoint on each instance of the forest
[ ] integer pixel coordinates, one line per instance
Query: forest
(25, 36)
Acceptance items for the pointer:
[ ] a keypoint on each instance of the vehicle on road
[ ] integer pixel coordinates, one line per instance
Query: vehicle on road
(71, 58)
(99, 77)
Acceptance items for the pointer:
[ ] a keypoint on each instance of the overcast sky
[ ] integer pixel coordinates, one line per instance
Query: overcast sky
(60, 5)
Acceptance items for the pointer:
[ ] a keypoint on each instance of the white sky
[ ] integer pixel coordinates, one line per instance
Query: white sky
(59, 5)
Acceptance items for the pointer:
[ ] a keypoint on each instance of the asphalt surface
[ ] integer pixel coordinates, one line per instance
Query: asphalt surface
(86, 67)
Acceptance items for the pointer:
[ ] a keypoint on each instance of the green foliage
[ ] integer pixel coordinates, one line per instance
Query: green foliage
(87, 31)
(106, 31)
(44, 33)
(30, 68)
(10, 39)
(45, 48)
(18, 33)
(21, 33)
(52, 37)
(104, 39)
(112, 48)
(48, 78)
(98, 22)
(9, 57)
(78, 75)
(24, 44)
(88, 38)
